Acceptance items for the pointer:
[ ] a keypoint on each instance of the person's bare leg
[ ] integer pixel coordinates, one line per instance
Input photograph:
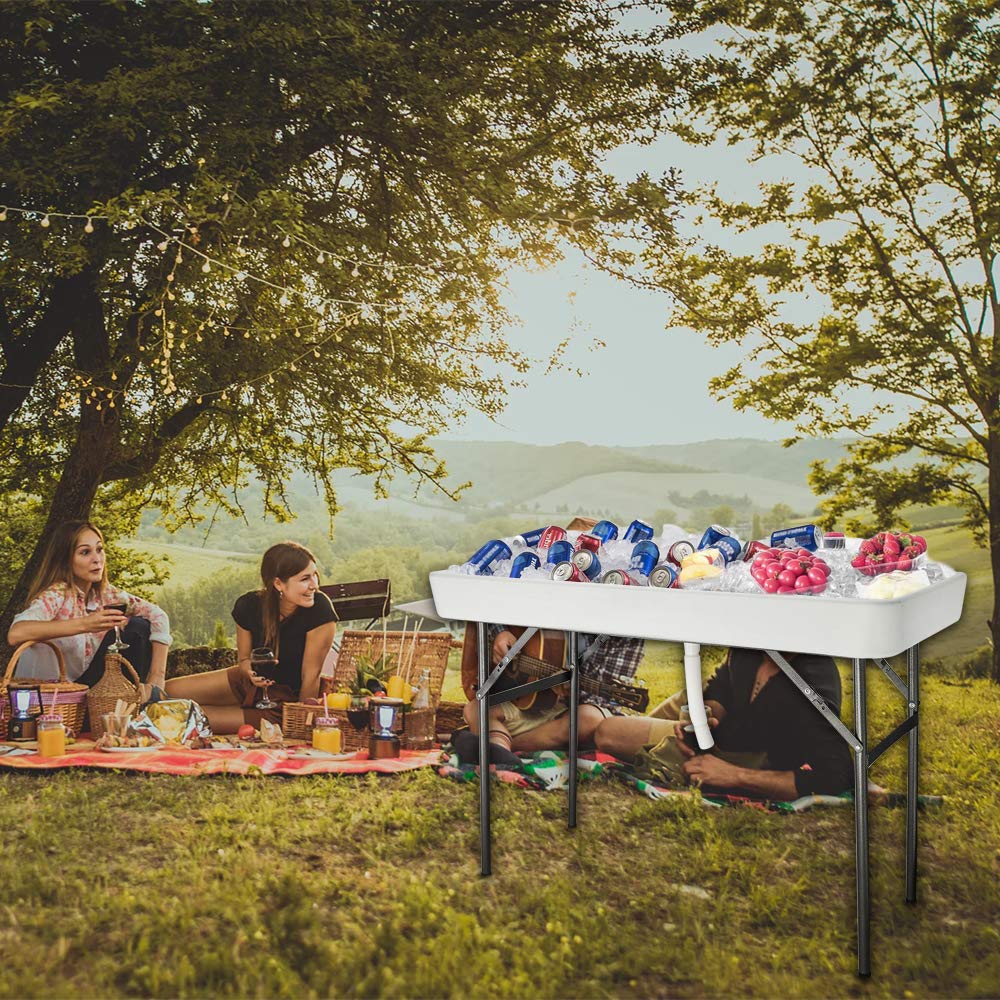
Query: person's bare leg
(499, 733)
(623, 736)
(210, 688)
(554, 734)
(224, 718)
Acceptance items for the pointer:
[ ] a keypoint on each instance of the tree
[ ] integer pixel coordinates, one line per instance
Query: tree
(871, 309)
(271, 236)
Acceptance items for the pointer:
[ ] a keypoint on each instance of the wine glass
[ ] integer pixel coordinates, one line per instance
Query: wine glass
(357, 714)
(117, 646)
(262, 662)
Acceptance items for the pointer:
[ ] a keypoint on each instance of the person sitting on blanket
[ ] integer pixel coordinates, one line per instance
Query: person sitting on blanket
(513, 729)
(291, 616)
(764, 727)
(68, 606)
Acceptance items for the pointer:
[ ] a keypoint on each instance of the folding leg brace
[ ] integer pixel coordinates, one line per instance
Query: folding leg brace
(487, 699)
(863, 760)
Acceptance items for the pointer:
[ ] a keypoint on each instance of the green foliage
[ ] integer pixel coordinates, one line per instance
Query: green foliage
(220, 638)
(888, 242)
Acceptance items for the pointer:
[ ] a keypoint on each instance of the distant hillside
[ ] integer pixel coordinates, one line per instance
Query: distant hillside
(510, 473)
(766, 459)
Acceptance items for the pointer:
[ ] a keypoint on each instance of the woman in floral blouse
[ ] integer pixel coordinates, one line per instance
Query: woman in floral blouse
(68, 607)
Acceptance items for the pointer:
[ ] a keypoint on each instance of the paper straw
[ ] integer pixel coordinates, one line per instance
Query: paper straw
(402, 637)
(413, 649)
(326, 704)
(385, 623)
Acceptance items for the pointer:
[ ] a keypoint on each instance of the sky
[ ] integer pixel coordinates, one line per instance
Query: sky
(650, 384)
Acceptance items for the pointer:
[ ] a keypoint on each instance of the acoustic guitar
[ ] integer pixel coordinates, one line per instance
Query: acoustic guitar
(543, 655)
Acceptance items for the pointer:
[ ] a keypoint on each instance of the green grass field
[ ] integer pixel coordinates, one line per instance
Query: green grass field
(188, 564)
(127, 885)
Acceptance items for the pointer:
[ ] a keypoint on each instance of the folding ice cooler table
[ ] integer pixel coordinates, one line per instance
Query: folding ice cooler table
(853, 628)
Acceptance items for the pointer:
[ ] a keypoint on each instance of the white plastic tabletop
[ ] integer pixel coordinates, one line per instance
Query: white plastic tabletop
(855, 628)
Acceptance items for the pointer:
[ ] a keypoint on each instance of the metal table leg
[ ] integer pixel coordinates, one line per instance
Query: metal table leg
(912, 746)
(861, 818)
(572, 647)
(485, 860)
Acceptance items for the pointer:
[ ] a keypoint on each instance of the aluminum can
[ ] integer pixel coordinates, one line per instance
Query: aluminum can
(679, 551)
(560, 550)
(606, 531)
(566, 571)
(553, 533)
(664, 576)
(587, 563)
(618, 577)
(529, 539)
(486, 558)
(834, 540)
(712, 534)
(805, 536)
(645, 556)
(591, 542)
(730, 547)
(750, 549)
(637, 531)
(522, 562)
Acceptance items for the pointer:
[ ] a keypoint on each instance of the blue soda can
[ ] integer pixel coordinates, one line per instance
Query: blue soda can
(710, 540)
(637, 531)
(492, 553)
(587, 563)
(522, 562)
(730, 547)
(529, 539)
(560, 551)
(664, 576)
(806, 536)
(606, 531)
(645, 556)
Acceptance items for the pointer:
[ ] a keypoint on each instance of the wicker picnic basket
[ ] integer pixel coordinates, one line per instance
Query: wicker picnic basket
(412, 652)
(450, 716)
(66, 698)
(104, 696)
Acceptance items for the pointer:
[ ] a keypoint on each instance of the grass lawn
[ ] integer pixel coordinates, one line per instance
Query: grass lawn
(119, 885)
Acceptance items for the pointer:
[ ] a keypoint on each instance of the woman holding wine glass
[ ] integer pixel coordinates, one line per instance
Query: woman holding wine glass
(73, 605)
(283, 634)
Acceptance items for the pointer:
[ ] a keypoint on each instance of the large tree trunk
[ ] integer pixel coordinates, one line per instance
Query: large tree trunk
(993, 494)
(97, 447)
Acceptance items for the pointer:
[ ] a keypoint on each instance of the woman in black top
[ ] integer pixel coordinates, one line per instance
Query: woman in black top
(291, 616)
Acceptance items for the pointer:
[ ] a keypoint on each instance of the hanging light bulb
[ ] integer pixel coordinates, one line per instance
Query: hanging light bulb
(45, 223)
(3, 213)
(355, 272)
(241, 275)
(161, 246)
(89, 227)
(283, 301)
(286, 242)
(206, 267)
(321, 258)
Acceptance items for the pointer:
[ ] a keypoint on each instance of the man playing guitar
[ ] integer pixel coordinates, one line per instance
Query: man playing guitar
(544, 724)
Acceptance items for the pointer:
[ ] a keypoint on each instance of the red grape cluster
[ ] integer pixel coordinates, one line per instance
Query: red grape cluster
(789, 571)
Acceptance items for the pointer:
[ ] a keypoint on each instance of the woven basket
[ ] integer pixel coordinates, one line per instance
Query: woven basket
(114, 685)
(67, 698)
(430, 653)
(297, 724)
(450, 716)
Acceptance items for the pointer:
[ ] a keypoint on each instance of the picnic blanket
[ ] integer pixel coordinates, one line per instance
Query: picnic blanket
(549, 771)
(178, 760)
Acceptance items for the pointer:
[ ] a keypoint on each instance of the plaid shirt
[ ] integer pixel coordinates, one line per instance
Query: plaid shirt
(614, 658)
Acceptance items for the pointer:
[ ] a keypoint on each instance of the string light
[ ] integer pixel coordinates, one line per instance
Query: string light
(45, 223)
(89, 227)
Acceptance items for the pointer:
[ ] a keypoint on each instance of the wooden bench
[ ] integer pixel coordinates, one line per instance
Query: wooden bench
(366, 599)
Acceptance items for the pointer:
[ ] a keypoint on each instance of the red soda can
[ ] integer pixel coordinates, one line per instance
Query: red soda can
(618, 577)
(750, 549)
(553, 533)
(591, 542)
(679, 551)
(569, 572)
